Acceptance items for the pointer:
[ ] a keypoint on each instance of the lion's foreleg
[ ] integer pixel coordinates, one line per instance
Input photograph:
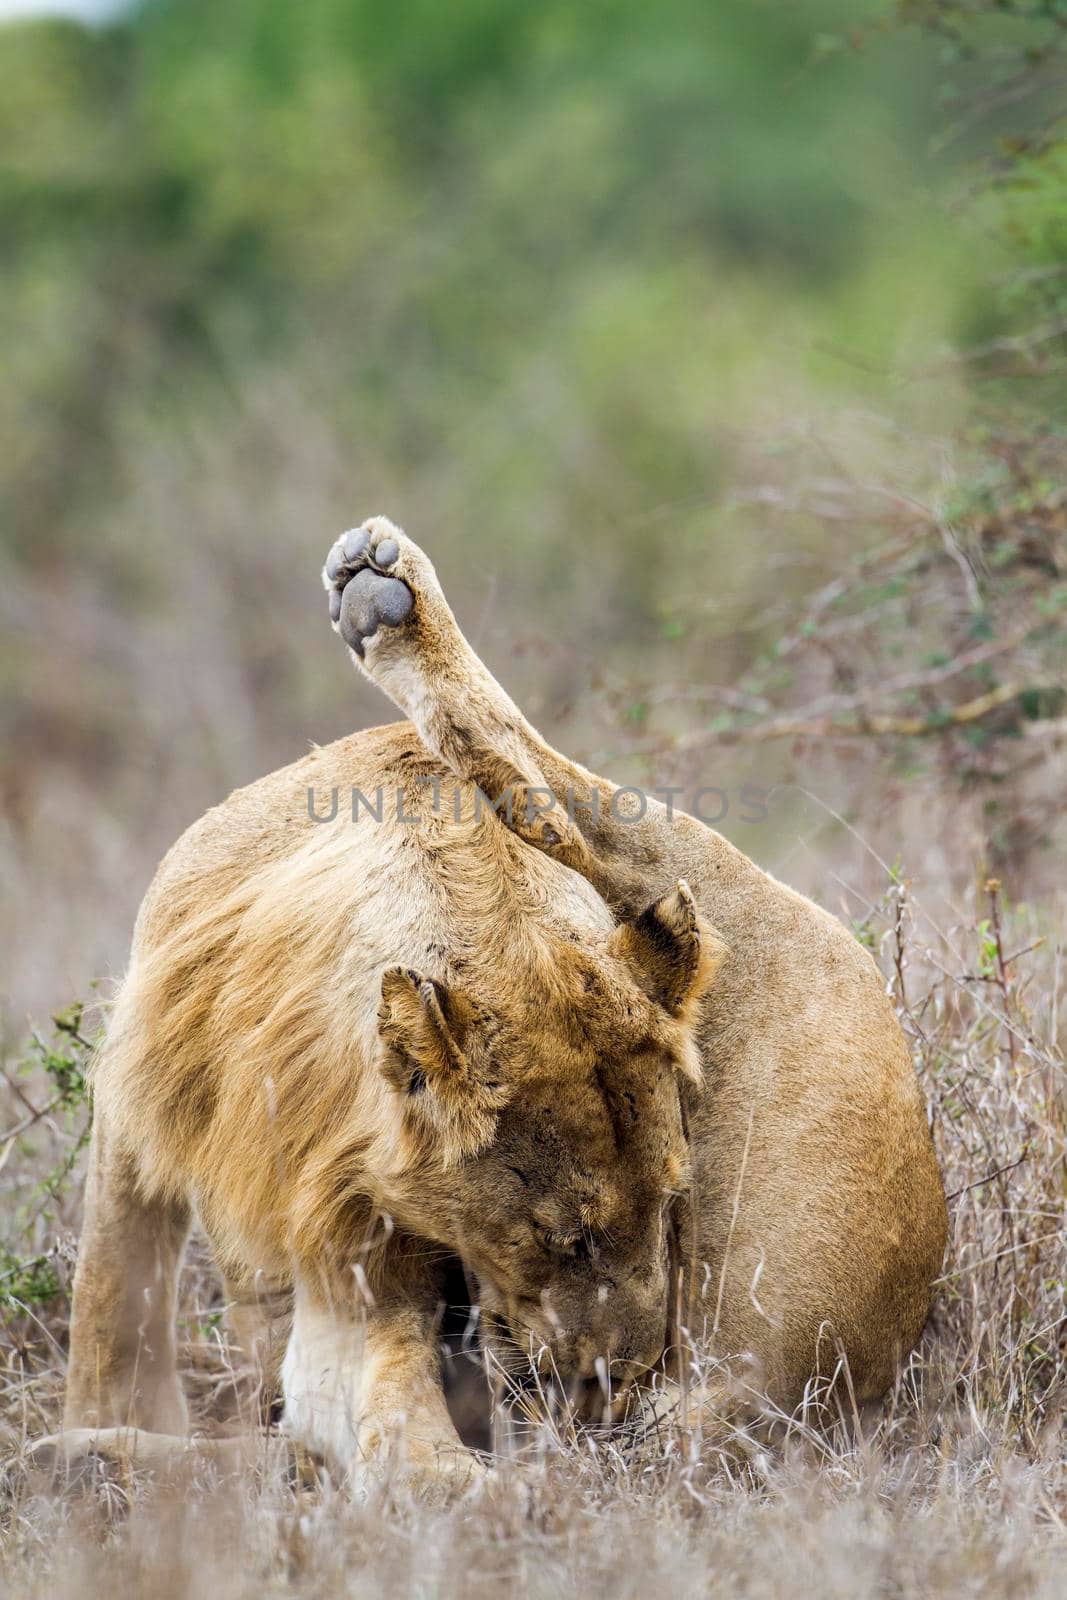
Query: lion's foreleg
(363, 1388)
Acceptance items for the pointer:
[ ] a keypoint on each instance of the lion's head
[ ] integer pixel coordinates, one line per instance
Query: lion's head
(548, 1144)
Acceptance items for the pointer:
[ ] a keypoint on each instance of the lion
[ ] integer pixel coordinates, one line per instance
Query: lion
(357, 1049)
(638, 1087)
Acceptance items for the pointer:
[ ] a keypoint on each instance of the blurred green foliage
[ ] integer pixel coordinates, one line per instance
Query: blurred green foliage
(444, 198)
(1005, 99)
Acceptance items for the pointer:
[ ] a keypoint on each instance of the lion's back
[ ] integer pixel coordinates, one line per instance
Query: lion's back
(266, 821)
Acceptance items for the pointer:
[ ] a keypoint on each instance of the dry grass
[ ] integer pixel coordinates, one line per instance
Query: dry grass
(958, 1487)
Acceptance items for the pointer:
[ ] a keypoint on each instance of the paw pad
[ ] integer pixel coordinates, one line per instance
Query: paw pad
(362, 598)
(371, 602)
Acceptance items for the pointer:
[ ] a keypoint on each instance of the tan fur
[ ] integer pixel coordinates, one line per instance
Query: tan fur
(355, 1046)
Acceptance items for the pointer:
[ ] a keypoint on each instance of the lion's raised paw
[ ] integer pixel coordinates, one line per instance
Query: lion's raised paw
(368, 584)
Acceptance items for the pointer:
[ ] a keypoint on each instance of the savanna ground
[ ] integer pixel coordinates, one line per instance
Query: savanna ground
(719, 361)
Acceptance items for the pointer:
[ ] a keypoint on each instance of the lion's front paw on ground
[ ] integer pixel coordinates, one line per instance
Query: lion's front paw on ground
(436, 1476)
(372, 576)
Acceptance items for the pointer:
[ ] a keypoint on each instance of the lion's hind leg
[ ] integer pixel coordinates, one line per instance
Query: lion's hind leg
(122, 1371)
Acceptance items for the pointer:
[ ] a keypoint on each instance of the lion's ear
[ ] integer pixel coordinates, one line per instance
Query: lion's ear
(673, 953)
(424, 1026)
